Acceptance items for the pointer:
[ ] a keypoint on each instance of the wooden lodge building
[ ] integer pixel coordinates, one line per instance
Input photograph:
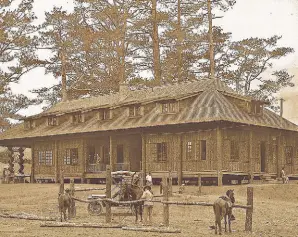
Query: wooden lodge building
(190, 128)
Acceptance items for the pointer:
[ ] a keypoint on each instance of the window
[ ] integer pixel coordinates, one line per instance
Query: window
(256, 107)
(106, 114)
(45, 158)
(106, 155)
(71, 156)
(161, 149)
(134, 111)
(29, 124)
(77, 118)
(189, 150)
(91, 155)
(52, 121)
(234, 146)
(289, 154)
(169, 107)
(203, 146)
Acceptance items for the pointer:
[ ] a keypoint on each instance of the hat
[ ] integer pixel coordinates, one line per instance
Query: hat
(147, 187)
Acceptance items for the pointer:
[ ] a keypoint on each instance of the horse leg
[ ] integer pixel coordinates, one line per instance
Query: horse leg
(225, 223)
(229, 219)
(219, 223)
(215, 225)
(136, 211)
(141, 212)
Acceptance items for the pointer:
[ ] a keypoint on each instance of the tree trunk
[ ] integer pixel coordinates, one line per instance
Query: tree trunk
(155, 39)
(211, 47)
(63, 77)
(179, 42)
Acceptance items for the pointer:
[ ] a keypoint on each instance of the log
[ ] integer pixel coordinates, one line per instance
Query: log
(153, 229)
(166, 212)
(80, 225)
(27, 217)
(88, 189)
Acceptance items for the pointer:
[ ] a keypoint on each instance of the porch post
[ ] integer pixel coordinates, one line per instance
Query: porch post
(56, 162)
(251, 163)
(219, 154)
(32, 177)
(144, 158)
(180, 162)
(10, 163)
(112, 166)
(280, 157)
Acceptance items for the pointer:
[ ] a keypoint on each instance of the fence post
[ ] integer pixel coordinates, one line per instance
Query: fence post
(108, 193)
(73, 204)
(248, 221)
(200, 183)
(166, 213)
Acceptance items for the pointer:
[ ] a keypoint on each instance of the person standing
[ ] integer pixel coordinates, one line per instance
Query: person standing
(149, 179)
(285, 179)
(148, 204)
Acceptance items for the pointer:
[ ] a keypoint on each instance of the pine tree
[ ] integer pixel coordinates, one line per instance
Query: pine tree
(17, 55)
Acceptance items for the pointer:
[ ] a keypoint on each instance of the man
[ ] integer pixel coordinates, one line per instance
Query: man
(285, 179)
(148, 204)
(149, 179)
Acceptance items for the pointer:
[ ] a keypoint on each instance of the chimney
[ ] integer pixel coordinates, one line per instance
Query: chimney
(123, 90)
(281, 107)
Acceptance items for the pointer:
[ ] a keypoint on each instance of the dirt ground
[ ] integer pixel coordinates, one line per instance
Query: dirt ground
(275, 211)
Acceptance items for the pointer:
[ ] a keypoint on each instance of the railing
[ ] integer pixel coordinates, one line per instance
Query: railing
(94, 168)
(122, 166)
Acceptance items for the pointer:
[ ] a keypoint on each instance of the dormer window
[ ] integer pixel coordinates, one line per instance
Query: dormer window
(134, 111)
(256, 107)
(106, 114)
(78, 118)
(52, 121)
(169, 107)
(29, 124)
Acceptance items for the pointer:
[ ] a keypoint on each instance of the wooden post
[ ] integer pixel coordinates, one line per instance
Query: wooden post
(32, 176)
(61, 190)
(144, 159)
(56, 162)
(108, 194)
(72, 193)
(166, 213)
(112, 168)
(170, 184)
(180, 162)
(249, 211)
(251, 163)
(280, 157)
(200, 183)
(219, 154)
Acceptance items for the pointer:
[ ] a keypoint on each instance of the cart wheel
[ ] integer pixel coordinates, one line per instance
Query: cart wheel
(95, 208)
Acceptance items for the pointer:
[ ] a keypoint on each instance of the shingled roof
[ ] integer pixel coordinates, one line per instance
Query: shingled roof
(210, 104)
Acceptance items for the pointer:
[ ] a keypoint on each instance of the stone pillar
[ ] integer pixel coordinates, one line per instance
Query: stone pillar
(21, 160)
(11, 164)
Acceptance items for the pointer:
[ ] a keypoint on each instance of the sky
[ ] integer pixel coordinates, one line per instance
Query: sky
(248, 18)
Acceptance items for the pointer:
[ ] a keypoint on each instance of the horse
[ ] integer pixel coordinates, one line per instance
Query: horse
(65, 202)
(223, 208)
(132, 191)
